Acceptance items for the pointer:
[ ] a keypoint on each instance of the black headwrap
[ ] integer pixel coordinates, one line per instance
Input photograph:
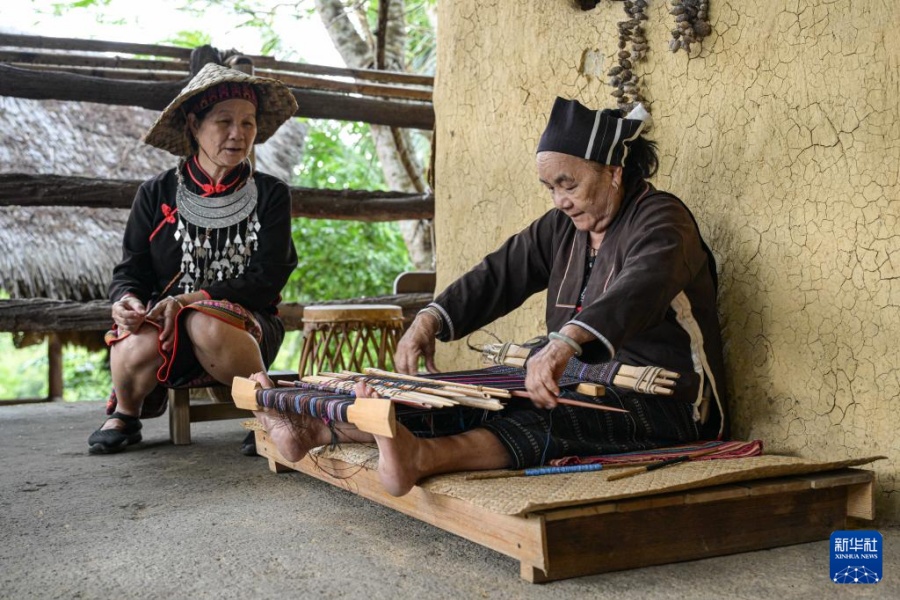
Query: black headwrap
(601, 136)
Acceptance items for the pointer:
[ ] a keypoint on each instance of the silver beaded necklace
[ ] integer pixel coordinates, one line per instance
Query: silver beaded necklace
(203, 222)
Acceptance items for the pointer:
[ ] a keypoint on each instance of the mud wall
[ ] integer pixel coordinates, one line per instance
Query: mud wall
(781, 133)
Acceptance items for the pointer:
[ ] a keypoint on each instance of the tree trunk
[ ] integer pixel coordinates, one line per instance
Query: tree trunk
(401, 169)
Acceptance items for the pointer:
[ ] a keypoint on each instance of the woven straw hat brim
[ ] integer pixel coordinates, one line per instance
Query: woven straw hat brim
(276, 104)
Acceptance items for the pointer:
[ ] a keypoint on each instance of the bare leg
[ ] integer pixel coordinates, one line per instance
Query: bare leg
(225, 352)
(133, 364)
(405, 459)
(296, 435)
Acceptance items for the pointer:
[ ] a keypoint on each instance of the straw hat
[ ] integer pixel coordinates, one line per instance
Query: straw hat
(276, 105)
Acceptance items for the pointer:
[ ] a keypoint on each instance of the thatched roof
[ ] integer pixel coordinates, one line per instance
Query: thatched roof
(69, 253)
(60, 253)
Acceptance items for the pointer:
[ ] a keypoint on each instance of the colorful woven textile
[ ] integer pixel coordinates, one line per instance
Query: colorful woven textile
(732, 449)
(314, 403)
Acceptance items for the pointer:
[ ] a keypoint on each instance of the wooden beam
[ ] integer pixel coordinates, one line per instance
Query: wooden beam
(360, 205)
(156, 95)
(314, 82)
(19, 189)
(266, 62)
(45, 315)
(107, 73)
(83, 60)
(54, 43)
(134, 69)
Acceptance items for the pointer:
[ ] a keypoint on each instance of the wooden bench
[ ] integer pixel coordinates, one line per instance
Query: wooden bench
(182, 413)
(596, 537)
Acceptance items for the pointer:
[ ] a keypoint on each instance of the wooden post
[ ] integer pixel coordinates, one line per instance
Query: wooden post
(180, 416)
(55, 370)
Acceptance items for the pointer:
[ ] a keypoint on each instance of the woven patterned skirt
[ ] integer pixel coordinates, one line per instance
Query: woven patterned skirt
(180, 367)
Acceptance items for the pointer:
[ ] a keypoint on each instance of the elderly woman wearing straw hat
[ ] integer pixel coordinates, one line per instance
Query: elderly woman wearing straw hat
(206, 252)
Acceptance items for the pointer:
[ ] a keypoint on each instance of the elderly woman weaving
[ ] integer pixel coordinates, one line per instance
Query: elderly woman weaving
(206, 251)
(628, 281)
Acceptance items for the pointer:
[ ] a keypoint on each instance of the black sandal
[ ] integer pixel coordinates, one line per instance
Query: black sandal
(248, 446)
(110, 441)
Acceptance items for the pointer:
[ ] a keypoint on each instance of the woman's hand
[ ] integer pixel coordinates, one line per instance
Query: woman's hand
(129, 313)
(418, 341)
(543, 372)
(164, 314)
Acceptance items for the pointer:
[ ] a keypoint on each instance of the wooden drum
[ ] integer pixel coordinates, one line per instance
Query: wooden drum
(349, 337)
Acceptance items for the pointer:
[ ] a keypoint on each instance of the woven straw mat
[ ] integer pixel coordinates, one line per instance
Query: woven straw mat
(521, 495)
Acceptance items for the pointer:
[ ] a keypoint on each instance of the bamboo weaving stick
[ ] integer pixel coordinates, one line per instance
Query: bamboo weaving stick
(659, 465)
(534, 471)
(496, 392)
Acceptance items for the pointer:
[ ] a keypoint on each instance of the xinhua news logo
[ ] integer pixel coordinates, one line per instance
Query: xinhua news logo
(856, 556)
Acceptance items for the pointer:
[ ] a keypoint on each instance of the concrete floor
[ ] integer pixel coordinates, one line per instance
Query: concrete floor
(203, 521)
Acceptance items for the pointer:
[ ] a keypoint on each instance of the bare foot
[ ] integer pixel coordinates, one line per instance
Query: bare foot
(262, 378)
(399, 460)
(397, 456)
(293, 436)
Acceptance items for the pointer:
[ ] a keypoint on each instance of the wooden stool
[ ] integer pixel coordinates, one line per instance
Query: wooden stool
(349, 337)
(182, 413)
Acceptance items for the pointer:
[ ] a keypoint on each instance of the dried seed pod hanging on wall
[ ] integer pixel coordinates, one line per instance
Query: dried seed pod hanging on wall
(691, 23)
(632, 49)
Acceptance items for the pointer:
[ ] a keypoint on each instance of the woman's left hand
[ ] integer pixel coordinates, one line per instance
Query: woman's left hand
(163, 314)
(543, 372)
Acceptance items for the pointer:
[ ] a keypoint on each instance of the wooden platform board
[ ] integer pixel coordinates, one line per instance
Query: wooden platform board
(636, 532)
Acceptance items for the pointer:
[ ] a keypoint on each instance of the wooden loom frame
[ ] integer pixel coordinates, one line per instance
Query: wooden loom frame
(623, 534)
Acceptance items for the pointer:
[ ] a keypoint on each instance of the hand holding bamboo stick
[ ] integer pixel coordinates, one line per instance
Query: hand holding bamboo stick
(647, 380)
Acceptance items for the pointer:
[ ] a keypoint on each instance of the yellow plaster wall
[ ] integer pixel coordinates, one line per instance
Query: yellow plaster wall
(781, 135)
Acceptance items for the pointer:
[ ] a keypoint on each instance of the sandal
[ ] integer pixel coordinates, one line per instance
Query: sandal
(110, 441)
(248, 446)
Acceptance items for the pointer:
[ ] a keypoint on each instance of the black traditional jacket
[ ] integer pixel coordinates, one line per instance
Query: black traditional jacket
(148, 266)
(650, 298)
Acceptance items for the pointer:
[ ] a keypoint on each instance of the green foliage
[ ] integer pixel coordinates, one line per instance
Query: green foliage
(340, 259)
(24, 372)
(260, 15)
(21, 373)
(343, 259)
(339, 155)
(421, 45)
(60, 7)
(86, 374)
(189, 39)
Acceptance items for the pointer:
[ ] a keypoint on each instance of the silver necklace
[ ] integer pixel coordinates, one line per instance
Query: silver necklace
(218, 212)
